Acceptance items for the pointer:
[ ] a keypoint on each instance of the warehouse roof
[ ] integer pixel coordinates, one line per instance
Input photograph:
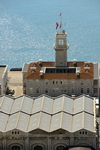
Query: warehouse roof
(47, 113)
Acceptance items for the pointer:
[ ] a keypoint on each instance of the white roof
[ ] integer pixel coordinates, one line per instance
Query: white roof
(84, 104)
(47, 114)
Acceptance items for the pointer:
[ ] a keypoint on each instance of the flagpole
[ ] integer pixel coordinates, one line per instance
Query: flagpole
(60, 22)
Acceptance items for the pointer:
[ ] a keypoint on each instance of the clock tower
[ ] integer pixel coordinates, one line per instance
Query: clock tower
(61, 47)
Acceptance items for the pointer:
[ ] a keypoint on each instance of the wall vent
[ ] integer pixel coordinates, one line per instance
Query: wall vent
(33, 69)
(87, 68)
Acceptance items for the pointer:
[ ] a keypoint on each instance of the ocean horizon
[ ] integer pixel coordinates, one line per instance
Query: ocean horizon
(28, 28)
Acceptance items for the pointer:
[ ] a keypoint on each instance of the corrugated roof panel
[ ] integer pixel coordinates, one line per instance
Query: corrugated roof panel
(27, 105)
(12, 122)
(88, 105)
(89, 122)
(68, 105)
(56, 122)
(1, 99)
(78, 105)
(45, 122)
(37, 105)
(77, 122)
(67, 122)
(47, 105)
(3, 121)
(58, 105)
(17, 105)
(34, 122)
(23, 122)
(6, 105)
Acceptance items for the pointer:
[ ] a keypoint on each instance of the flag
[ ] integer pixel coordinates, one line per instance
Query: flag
(57, 25)
(60, 14)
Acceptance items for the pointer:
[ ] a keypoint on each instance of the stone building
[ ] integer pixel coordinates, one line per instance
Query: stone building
(61, 76)
(46, 123)
(3, 78)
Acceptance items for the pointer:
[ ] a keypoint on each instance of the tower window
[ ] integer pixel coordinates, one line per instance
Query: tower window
(61, 42)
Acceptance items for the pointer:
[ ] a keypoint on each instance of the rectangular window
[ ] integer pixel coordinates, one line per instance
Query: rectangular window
(88, 90)
(95, 90)
(82, 90)
(61, 42)
(72, 90)
(31, 90)
(31, 82)
(56, 82)
(46, 90)
(46, 82)
(37, 90)
(95, 83)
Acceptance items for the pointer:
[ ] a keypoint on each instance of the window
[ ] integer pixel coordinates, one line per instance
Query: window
(56, 82)
(37, 90)
(95, 82)
(60, 82)
(95, 90)
(31, 82)
(53, 89)
(46, 82)
(82, 82)
(72, 82)
(88, 90)
(46, 90)
(81, 90)
(15, 148)
(61, 42)
(31, 90)
(72, 90)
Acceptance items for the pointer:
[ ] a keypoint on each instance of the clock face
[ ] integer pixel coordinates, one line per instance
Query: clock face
(61, 42)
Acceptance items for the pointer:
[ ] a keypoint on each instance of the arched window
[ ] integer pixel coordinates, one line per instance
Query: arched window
(15, 148)
(60, 148)
(38, 148)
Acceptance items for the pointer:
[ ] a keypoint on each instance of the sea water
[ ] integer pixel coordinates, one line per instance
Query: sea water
(28, 27)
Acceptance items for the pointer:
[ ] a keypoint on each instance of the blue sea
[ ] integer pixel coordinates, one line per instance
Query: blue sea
(28, 27)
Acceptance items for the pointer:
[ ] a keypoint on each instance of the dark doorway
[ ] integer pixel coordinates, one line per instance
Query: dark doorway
(60, 148)
(15, 148)
(38, 148)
